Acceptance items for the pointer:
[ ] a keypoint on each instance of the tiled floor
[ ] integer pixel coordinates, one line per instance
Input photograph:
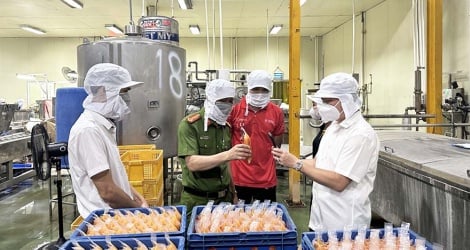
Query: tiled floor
(26, 223)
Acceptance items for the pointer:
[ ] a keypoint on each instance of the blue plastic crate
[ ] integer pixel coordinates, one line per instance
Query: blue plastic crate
(83, 226)
(308, 237)
(279, 238)
(117, 242)
(271, 246)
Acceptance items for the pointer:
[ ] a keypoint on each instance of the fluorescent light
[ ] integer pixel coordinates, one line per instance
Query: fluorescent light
(185, 4)
(113, 28)
(33, 29)
(25, 77)
(30, 77)
(194, 29)
(275, 29)
(73, 4)
(302, 2)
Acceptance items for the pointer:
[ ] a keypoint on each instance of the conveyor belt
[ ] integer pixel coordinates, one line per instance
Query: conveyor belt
(422, 179)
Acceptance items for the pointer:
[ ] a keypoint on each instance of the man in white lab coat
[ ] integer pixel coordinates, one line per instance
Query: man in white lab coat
(99, 178)
(345, 166)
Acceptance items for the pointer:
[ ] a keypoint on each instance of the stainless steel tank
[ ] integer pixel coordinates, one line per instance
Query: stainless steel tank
(158, 106)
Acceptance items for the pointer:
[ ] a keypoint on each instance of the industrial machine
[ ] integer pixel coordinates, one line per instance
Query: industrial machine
(13, 146)
(157, 105)
(424, 179)
(455, 109)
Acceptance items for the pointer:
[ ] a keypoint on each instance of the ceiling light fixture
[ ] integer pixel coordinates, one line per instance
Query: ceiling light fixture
(114, 28)
(185, 4)
(30, 77)
(195, 29)
(275, 29)
(302, 2)
(33, 29)
(73, 4)
(25, 77)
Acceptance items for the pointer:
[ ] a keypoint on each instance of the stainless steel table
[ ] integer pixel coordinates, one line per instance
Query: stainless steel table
(422, 179)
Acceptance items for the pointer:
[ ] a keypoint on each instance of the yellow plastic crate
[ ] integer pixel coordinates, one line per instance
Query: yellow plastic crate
(143, 164)
(125, 148)
(151, 190)
(76, 223)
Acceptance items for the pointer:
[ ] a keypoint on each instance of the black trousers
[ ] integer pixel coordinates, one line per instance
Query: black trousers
(249, 194)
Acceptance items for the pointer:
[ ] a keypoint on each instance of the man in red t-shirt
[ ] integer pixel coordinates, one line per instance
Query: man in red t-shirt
(263, 121)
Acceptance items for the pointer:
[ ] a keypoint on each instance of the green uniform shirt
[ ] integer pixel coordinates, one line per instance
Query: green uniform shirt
(193, 140)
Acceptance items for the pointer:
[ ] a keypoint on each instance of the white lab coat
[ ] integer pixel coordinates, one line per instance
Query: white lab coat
(351, 149)
(92, 150)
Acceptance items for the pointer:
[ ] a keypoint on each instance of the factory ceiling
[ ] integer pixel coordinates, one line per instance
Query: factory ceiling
(240, 18)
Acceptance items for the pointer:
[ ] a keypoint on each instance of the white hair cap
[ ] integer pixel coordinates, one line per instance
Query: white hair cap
(219, 89)
(103, 82)
(259, 78)
(342, 86)
(216, 90)
(111, 76)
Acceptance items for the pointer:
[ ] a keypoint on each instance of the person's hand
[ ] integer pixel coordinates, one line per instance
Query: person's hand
(284, 158)
(144, 204)
(239, 152)
(235, 198)
(141, 200)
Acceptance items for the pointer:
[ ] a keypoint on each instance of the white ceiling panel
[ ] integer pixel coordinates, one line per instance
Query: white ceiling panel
(240, 18)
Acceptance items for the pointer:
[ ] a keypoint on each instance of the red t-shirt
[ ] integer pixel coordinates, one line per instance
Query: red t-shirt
(261, 172)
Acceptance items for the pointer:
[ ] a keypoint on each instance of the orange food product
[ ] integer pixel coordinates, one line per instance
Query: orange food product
(247, 141)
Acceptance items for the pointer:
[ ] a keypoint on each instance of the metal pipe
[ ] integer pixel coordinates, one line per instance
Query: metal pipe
(421, 125)
(221, 36)
(418, 91)
(197, 72)
(400, 116)
(389, 116)
(130, 13)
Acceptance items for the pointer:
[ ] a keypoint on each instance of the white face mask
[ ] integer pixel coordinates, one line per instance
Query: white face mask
(328, 112)
(259, 100)
(126, 97)
(220, 112)
(313, 112)
(114, 108)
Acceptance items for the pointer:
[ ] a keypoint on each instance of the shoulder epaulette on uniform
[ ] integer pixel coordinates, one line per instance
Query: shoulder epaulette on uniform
(194, 117)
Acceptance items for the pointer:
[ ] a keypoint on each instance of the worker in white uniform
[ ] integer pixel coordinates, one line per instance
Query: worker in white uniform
(99, 178)
(344, 169)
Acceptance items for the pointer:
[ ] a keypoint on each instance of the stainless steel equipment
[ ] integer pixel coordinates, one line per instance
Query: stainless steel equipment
(422, 179)
(6, 115)
(12, 147)
(158, 106)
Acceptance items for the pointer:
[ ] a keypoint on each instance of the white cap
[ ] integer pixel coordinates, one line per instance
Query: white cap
(337, 84)
(259, 78)
(109, 75)
(342, 86)
(219, 89)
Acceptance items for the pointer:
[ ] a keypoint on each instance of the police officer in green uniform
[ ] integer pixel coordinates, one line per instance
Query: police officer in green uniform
(204, 149)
